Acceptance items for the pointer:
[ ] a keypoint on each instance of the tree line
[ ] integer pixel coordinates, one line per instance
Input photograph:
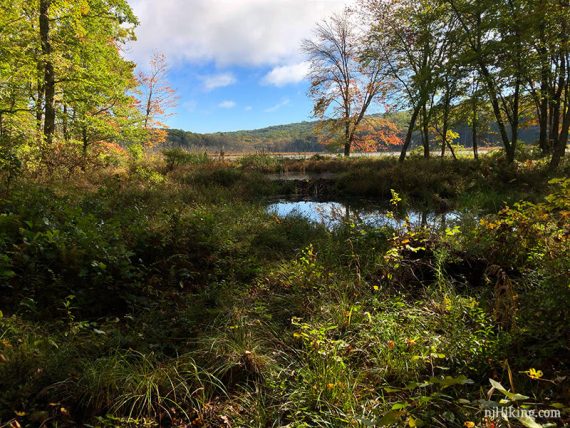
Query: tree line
(500, 63)
(65, 82)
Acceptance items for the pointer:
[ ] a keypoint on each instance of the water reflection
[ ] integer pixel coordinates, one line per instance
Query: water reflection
(332, 214)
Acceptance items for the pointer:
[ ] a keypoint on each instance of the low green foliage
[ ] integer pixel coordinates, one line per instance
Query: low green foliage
(178, 157)
(149, 299)
(260, 162)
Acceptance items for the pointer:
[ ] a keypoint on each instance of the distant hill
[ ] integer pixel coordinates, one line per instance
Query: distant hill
(295, 137)
(304, 137)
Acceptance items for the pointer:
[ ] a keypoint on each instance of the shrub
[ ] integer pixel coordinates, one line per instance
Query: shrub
(178, 157)
(261, 162)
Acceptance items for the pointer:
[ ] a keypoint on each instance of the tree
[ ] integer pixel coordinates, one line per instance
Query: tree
(344, 82)
(413, 39)
(494, 40)
(157, 98)
(17, 72)
(96, 104)
(376, 134)
(547, 80)
(62, 67)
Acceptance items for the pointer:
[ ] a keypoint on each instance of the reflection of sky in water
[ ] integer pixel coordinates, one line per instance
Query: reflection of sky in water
(332, 214)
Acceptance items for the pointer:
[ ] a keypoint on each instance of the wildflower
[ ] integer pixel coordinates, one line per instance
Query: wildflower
(391, 344)
(330, 386)
(376, 288)
(534, 374)
(469, 424)
(410, 342)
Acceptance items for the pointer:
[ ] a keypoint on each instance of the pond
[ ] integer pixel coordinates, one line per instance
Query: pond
(301, 176)
(334, 213)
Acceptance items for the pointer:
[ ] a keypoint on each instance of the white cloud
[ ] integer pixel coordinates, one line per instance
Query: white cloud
(228, 32)
(287, 74)
(218, 81)
(227, 104)
(277, 106)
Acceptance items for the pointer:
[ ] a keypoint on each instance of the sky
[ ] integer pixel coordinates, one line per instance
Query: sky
(235, 64)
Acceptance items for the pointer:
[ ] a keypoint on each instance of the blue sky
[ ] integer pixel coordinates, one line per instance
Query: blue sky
(246, 103)
(235, 64)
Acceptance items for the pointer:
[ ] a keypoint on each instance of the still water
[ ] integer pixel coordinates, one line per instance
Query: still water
(332, 214)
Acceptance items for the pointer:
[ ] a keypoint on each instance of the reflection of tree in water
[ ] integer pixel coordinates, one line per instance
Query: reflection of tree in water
(333, 214)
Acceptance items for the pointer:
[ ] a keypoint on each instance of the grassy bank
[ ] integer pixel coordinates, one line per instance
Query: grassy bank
(164, 294)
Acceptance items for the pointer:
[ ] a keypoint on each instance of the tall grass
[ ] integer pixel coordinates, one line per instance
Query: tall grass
(156, 298)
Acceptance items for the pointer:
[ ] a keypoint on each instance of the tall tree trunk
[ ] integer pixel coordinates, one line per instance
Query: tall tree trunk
(544, 81)
(474, 132)
(514, 122)
(543, 111)
(556, 101)
(410, 133)
(447, 102)
(492, 90)
(39, 107)
(425, 131)
(347, 139)
(49, 73)
(543, 125)
(444, 140)
(559, 147)
(452, 151)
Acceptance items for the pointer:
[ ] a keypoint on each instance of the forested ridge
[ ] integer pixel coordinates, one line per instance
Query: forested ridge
(307, 137)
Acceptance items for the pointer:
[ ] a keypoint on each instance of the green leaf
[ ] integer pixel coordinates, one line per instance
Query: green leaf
(510, 395)
(451, 381)
(529, 422)
(390, 418)
(555, 405)
(399, 406)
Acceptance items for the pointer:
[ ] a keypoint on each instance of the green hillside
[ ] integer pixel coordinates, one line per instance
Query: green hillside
(292, 137)
(306, 137)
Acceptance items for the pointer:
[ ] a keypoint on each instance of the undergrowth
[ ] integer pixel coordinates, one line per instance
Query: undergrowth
(169, 296)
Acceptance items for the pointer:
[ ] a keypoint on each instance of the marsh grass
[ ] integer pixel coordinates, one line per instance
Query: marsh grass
(144, 297)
